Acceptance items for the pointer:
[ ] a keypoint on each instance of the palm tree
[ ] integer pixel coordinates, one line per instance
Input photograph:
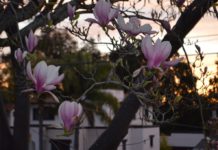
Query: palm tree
(78, 69)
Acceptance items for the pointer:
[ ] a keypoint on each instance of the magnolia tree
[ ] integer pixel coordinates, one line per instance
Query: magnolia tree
(139, 62)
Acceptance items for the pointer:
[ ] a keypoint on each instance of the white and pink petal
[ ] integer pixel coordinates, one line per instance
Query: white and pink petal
(29, 73)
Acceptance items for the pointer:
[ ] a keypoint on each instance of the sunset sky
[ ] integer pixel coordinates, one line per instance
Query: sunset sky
(204, 34)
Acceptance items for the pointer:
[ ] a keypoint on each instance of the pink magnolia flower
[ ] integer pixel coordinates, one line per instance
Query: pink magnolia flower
(44, 77)
(157, 53)
(71, 11)
(31, 41)
(69, 113)
(167, 64)
(103, 13)
(20, 55)
(133, 27)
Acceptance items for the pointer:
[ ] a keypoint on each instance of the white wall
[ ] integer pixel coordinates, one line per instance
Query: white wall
(184, 139)
(119, 94)
(54, 122)
(137, 138)
(140, 118)
(49, 134)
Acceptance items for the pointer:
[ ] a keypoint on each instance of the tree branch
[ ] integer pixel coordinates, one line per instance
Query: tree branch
(7, 18)
(188, 19)
(126, 113)
(119, 126)
(59, 14)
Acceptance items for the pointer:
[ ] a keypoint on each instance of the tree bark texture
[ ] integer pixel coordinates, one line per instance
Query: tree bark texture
(119, 126)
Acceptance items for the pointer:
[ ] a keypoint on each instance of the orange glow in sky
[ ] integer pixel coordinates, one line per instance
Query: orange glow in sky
(204, 34)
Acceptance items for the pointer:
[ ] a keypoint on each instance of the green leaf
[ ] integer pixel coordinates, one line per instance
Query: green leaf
(76, 16)
(178, 99)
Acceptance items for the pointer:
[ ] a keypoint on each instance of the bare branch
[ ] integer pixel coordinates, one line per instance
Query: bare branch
(8, 18)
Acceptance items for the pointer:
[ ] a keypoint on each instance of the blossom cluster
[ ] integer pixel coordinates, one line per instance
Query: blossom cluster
(45, 77)
(31, 42)
(156, 53)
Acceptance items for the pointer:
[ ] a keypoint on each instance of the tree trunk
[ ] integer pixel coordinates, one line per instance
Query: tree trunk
(41, 134)
(119, 126)
(21, 123)
(5, 136)
(21, 114)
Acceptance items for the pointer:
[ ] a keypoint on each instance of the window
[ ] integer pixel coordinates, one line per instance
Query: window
(60, 144)
(151, 137)
(48, 113)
